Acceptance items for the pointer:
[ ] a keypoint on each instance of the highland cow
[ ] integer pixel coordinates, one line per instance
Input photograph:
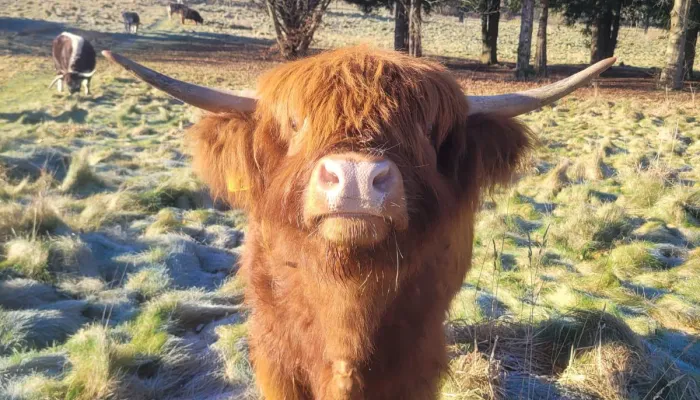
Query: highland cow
(361, 171)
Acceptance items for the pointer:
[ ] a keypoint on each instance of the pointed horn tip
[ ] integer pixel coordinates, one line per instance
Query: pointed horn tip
(110, 56)
(608, 62)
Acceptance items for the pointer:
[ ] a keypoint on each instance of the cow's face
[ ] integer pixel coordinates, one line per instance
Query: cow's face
(72, 82)
(355, 148)
(350, 146)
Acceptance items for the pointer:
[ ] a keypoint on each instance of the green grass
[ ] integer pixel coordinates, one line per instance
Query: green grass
(149, 282)
(230, 345)
(92, 374)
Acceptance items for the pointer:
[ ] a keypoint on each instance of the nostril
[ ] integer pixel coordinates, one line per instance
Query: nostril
(327, 178)
(381, 181)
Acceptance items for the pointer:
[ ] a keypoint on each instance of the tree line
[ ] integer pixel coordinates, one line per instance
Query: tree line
(295, 22)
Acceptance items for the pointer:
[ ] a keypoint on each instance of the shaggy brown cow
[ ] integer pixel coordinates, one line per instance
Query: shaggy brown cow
(361, 171)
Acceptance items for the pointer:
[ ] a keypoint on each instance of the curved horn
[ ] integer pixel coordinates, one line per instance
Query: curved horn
(514, 104)
(56, 79)
(209, 99)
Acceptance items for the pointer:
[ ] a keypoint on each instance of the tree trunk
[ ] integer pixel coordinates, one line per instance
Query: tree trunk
(415, 48)
(614, 30)
(485, 51)
(672, 74)
(600, 34)
(400, 27)
(525, 41)
(541, 51)
(489, 31)
(691, 41)
(295, 24)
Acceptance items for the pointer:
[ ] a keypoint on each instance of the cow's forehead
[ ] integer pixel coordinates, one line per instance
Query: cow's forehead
(359, 89)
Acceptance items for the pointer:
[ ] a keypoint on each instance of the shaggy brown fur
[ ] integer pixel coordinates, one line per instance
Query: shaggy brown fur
(330, 321)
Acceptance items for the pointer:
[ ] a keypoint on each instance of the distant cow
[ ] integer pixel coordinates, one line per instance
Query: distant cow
(184, 12)
(74, 59)
(192, 15)
(175, 8)
(131, 19)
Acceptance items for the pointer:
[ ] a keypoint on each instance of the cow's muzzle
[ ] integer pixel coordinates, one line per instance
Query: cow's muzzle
(355, 200)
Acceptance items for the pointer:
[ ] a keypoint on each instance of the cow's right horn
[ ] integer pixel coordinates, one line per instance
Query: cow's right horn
(209, 99)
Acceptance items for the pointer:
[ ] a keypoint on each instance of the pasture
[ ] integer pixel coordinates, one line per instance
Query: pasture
(118, 271)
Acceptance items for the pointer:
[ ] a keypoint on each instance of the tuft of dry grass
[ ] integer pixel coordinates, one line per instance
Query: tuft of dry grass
(232, 347)
(83, 287)
(166, 221)
(591, 352)
(92, 374)
(37, 218)
(557, 179)
(80, 175)
(107, 209)
(36, 387)
(591, 168)
(474, 376)
(149, 282)
(585, 228)
(29, 257)
(633, 259)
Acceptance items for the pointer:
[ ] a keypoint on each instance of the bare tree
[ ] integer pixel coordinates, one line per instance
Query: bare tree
(525, 41)
(295, 22)
(691, 38)
(401, 26)
(672, 74)
(490, 17)
(415, 47)
(541, 52)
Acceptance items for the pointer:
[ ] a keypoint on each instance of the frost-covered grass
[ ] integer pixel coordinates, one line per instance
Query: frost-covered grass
(103, 226)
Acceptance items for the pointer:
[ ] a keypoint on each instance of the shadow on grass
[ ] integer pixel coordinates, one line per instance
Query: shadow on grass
(30, 117)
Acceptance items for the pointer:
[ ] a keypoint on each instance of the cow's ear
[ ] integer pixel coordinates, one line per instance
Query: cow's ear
(484, 152)
(222, 151)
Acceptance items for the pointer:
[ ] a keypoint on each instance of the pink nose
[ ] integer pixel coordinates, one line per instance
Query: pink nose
(353, 184)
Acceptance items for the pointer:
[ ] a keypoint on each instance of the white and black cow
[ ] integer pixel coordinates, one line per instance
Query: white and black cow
(131, 20)
(74, 59)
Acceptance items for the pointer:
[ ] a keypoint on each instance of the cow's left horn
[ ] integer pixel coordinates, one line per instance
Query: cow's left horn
(514, 104)
(209, 99)
(56, 79)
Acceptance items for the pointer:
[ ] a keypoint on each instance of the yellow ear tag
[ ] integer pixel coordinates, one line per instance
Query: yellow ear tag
(232, 185)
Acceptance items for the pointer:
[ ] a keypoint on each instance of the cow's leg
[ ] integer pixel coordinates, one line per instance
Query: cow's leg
(87, 86)
(339, 380)
(272, 384)
(59, 86)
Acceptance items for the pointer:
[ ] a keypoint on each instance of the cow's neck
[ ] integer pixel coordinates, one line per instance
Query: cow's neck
(348, 292)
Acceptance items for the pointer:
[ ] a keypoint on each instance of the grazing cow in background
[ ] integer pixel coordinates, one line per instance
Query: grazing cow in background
(192, 15)
(74, 59)
(175, 8)
(361, 171)
(131, 19)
